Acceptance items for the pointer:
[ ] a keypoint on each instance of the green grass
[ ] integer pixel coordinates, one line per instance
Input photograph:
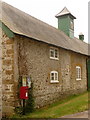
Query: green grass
(70, 105)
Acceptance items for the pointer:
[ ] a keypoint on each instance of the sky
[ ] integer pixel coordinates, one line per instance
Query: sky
(45, 10)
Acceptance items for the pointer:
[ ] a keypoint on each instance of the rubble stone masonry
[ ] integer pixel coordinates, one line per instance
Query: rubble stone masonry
(36, 62)
(0, 73)
(25, 56)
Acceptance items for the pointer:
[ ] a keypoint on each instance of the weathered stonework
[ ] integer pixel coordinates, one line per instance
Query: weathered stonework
(24, 56)
(21, 55)
(36, 62)
(8, 99)
(0, 73)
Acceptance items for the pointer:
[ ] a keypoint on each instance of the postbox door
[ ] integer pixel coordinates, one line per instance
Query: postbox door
(24, 92)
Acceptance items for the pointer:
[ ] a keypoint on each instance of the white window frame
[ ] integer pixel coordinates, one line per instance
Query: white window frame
(52, 49)
(78, 73)
(54, 80)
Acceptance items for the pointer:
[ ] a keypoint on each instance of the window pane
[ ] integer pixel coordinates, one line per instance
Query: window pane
(52, 76)
(56, 54)
(78, 72)
(51, 53)
(56, 76)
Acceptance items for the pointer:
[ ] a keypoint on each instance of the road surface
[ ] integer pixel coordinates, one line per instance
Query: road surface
(84, 114)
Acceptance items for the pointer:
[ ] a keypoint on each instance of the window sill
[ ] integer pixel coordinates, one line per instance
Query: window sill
(54, 81)
(78, 79)
(54, 58)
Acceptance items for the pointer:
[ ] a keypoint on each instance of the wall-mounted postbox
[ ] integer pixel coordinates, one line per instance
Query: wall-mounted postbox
(24, 92)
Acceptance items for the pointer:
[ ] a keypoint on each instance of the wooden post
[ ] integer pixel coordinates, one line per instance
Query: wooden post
(23, 106)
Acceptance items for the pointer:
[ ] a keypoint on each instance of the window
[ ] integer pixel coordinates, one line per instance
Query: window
(72, 24)
(54, 76)
(54, 54)
(78, 73)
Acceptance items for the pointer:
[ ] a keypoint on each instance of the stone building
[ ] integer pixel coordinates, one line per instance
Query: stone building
(55, 60)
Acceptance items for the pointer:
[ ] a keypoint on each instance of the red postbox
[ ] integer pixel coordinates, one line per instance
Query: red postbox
(24, 92)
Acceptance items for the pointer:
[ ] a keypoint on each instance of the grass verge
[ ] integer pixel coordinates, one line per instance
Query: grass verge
(70, 105)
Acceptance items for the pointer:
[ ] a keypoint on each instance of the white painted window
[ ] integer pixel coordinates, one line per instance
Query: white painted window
(54, 53)
(54, 77)
(78, 73)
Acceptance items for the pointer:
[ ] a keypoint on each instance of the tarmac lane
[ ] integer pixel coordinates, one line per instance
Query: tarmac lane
(85, 114)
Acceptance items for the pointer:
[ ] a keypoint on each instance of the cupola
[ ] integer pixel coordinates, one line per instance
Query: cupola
(66, 22)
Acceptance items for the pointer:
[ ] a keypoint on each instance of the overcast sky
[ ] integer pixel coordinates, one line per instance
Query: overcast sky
(46, 10)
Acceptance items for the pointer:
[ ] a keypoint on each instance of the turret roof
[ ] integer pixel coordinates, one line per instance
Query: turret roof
(64, 11)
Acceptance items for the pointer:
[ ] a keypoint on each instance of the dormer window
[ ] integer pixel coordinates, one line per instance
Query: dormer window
(54, 53)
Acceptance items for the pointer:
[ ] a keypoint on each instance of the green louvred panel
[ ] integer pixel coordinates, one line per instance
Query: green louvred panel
(8, 32)
(88, 66)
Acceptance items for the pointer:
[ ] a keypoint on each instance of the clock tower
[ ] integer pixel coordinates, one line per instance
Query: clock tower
(66, 22)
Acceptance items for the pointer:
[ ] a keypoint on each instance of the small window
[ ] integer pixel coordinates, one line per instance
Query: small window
(54, 54)
(51, 53)
(54, 76)
(78, 73)
(72, 25)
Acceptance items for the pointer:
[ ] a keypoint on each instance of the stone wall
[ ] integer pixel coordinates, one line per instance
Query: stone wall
(8, 92)
(34, 60)
(78, 60)
(23, 56)
(0, 73)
